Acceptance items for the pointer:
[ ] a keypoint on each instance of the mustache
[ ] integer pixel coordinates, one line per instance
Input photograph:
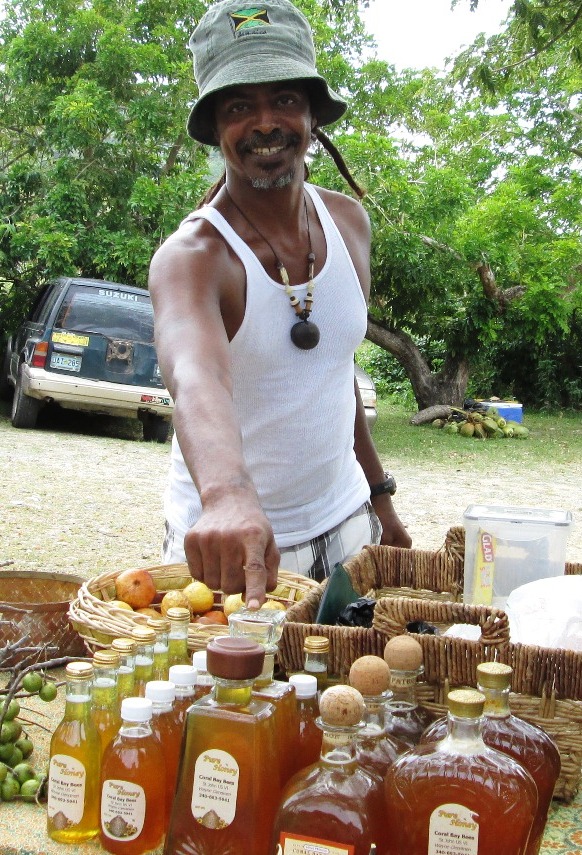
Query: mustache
(272, 140)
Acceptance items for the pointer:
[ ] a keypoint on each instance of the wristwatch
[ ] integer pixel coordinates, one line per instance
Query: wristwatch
(386, 486)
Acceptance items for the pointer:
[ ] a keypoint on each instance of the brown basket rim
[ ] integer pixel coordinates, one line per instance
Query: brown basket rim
(47, 576)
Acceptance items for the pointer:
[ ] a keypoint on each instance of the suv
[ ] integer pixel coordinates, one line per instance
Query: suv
(88, 345)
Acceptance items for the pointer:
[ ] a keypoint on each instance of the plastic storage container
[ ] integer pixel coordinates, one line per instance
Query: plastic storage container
(509, 410)
(507, 547)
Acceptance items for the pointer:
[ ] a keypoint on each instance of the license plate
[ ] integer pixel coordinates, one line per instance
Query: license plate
(65, 361)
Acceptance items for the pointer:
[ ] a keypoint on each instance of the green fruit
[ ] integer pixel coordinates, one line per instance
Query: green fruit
(467, 429)
(6, 752)
(12, 711)
(10, 731)
(490, 425)
(15, 758)
(29, 790)
(48, 692)
(3, 772)
(9, 789)
(23, 772)
(25, 745)
(520, 432)
(507, 431)
(32, 682)
(437, 423)
(479, 432)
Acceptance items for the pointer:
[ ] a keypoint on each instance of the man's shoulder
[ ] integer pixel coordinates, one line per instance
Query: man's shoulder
(345, 210)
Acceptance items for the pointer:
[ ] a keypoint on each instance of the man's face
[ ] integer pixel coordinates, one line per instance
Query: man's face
(264, 131)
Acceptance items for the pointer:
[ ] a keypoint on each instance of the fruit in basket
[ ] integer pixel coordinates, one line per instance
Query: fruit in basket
(200, 597)
(233, 603)
(214, 616)
(148, 612)
(119, 604)
(273, 605)
(175, 599)
(135, 587)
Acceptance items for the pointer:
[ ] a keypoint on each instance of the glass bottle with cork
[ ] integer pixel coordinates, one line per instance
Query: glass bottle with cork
(308, 747)
(204, 681)
(145, 638)
(133, 784)
(161, 627)
(179, 618)
(126, 648)
(227, 794)
(162, 693)
(73, 778)
(376, 748)
(335, 805)
(266, 627)
(458, 795)
(104, 696)
(315, 659)
(406, 719)
(525, 742)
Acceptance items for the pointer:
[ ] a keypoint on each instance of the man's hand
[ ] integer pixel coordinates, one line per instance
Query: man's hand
(393, 531)
(232, 548)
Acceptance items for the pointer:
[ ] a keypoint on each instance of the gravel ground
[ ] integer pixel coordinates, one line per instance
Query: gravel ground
(83, 495)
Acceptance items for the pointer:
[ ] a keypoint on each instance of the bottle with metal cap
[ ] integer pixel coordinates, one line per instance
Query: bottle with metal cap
(227, 794)
(458, 794)
(145, 638)
(133, 784)
(126, 648)
(73, 778)
(178, 637)
(161, 627)
(315, 661)
(525, 742)
(104, 696)
(162, 693)
(308, 746)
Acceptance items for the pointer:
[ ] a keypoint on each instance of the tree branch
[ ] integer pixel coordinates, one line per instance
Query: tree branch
(543, 48)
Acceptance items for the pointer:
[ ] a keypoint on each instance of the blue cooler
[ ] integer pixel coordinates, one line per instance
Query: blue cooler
(509, 410)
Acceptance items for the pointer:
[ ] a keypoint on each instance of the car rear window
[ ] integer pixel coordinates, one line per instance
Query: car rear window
(112, 313)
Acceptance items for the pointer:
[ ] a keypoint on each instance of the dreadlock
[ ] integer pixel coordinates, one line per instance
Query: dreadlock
(327, 144)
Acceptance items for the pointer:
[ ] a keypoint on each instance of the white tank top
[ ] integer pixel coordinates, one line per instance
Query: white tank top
(296, 408)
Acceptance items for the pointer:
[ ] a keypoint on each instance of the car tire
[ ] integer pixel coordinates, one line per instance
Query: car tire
(155, 428)
(25, 409)
(6, 389)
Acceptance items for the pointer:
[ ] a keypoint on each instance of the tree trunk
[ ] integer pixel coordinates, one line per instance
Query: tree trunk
(448, 386)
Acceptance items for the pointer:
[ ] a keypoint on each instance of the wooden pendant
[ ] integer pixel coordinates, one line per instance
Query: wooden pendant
(305, 335)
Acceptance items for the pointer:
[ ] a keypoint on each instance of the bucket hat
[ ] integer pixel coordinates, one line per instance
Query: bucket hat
(235, 45)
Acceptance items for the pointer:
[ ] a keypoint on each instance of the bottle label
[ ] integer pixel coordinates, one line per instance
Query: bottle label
(216, 776)
(292, 844)
(123, 809)
(66, 789)
(453, 830)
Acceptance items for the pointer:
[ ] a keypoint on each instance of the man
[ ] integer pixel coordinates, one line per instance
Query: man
(260, 302)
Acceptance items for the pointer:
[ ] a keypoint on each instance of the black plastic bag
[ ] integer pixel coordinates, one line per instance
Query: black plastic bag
(360, 613)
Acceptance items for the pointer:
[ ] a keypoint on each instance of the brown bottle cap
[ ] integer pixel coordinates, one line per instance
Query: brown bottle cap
(466, 703)
(494, 675)
(234, 658)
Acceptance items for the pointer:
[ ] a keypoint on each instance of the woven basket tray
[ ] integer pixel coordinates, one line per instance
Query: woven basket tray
(98, 622)
(547, 684)
(33, 613)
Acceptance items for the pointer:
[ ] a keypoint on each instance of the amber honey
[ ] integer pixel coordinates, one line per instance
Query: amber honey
(308, 748)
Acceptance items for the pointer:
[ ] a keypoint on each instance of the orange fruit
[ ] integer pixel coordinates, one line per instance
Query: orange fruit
(199, 596)
(213, 616)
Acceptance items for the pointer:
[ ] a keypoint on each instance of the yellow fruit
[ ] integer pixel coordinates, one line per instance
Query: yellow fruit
(233, 603)
(273, 605)
(119, 604)
(149, 612)
(175, 598)
(199, 596)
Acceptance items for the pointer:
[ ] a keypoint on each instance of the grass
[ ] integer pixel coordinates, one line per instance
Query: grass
(555, 439)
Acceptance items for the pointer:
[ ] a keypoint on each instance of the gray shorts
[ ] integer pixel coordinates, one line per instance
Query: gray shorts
(315, 558)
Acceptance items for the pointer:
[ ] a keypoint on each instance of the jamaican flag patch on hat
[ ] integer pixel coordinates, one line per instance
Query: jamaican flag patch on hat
(249, 18)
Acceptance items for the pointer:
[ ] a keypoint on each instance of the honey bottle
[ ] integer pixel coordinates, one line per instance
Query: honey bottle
(334, 806)
(204, 681)
(161, 627)
(133, 785)
(308, 748)
(458, 795)
(406, 719)
(227, 794)
(126, 648)
(73, 778)
(179, 618)
(104, 696)
(145, 638)
(184, 679)
(315, 656)
(266, 627)
(162, 693)
(525, 742)
(376, 748)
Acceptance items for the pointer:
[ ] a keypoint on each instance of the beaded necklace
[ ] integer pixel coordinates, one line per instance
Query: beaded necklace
(304, 333)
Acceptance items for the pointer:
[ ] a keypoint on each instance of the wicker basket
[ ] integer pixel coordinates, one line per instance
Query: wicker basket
(547, 684)
(98, 622)
(33, 613)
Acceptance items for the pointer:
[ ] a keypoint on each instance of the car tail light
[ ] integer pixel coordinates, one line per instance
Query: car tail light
(39, 354)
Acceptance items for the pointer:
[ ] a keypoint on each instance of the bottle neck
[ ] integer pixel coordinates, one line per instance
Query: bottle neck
(184, 691)
(235, 692)
(161, 707)
(374, 717)
(403, 685)
(104, 692)
(78, 699)
(338, 744)
(135, 729)
(496, 702)
(266, 675)
(464, 734)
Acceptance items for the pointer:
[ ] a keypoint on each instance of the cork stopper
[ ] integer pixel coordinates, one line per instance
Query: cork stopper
(106, 659)
(316, 644)
(403, 653)
(124, 645)
(341, 706)
(494, 675)
(370, 675)
(466, 703)
(79, 670)
(234, 658)
(143, 634)
(179, 614)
